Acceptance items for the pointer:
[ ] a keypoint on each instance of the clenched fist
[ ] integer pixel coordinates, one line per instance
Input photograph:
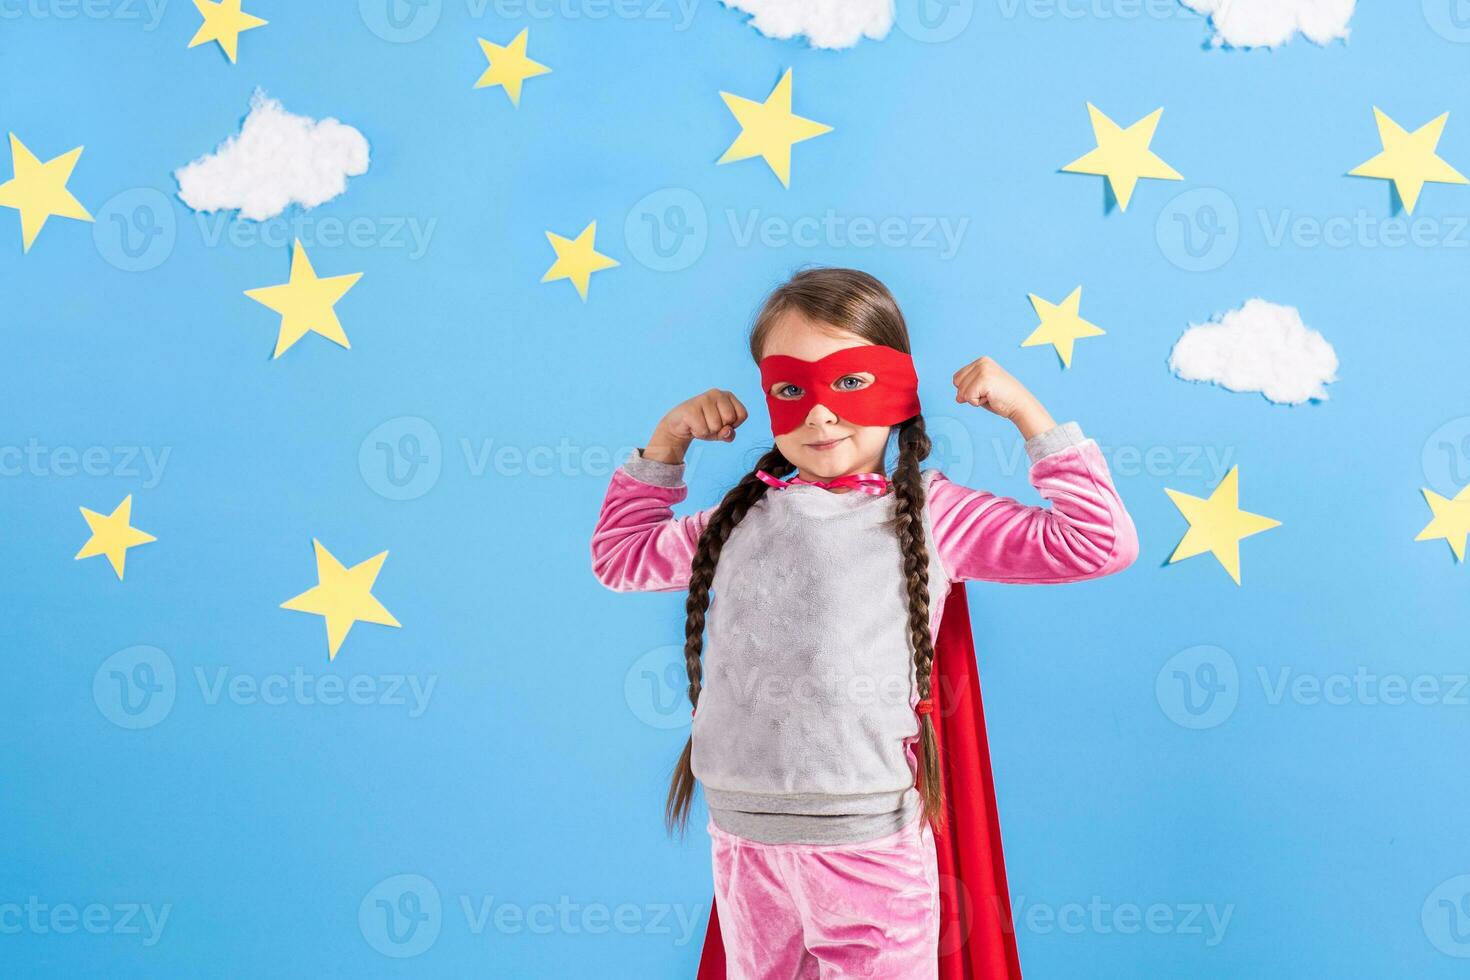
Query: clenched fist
(713, 415)
(987, 385)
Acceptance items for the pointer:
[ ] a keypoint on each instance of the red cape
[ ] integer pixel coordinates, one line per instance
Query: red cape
(976, 937)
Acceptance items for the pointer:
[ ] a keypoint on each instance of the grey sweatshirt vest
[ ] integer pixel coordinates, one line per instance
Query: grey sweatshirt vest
(808, 671)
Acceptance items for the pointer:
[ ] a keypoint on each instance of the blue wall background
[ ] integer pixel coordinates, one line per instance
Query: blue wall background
(529, 785)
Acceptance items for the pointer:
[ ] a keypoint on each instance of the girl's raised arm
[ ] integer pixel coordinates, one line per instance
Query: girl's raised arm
(638, 544)
(1085, 533)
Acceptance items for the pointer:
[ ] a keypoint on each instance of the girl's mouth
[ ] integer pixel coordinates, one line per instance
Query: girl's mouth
(822, 447)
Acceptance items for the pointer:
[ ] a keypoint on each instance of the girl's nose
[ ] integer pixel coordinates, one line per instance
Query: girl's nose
(820, 415)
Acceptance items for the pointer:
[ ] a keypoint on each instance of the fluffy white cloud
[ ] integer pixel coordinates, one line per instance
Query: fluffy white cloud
(826, 23)
(1259, 347)
(1271, 23)
(276, 160)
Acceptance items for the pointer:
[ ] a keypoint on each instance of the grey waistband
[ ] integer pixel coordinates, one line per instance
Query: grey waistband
(804, 828)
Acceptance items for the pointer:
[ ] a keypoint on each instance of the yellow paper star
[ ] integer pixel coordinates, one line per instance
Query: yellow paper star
(576, 259)
(1409, 159)
(1061, 324)
(509, 66)
(1122, 155)
(112, 535)
(1217, 525)
(224, 22)
(1451, 520)
(306, 302)
(38, 190)
(342, 596)
(768, 129)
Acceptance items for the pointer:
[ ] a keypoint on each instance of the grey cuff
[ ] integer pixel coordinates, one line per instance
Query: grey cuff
(1054, 440)
(652, 472)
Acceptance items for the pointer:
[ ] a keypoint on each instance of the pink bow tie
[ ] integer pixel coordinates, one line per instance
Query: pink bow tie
(873, 483)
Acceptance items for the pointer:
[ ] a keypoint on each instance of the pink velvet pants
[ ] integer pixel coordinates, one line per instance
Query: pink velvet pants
(829, 911)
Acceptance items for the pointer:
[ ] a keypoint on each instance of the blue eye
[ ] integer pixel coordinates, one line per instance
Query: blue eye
(788, 391)
(851, 382)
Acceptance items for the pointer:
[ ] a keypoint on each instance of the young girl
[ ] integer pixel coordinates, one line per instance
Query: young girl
(818, 583)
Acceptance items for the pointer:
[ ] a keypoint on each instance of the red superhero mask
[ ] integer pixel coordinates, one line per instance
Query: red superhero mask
(891, 398)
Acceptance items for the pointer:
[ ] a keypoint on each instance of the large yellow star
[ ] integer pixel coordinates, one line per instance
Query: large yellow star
(577, 259)
(1122, 155)
(1061, 324)
(224, 21)
(509, 66)
(768, 129)
(342, 596)
(1451, 520)
(1409, 159)
(1218, 524)
(38, 190)
(306, 302)
(112, 535)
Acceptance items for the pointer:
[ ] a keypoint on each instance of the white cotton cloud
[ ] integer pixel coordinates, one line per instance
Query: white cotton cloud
(826, 23)
(276, 160)
(1271, 23)
(1259, 347)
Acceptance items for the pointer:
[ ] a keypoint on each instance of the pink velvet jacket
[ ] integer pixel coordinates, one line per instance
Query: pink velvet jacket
(639, 545)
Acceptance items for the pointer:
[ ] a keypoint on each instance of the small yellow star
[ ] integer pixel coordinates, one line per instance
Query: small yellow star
(1409, 159)
(342, 596)
(576, 259)
(1451, 520)
(1061, 324)
(38, 190)
(1217, 525)
(113, 535)
(224, 22)
(1122, 155)
(306, 302)
(768, 129)
(509, 66)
